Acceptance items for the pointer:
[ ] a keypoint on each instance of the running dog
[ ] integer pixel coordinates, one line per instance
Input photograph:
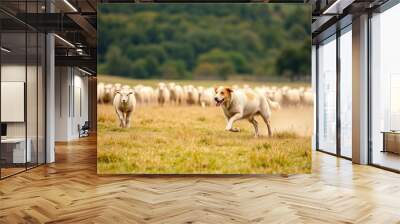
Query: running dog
(243, 104)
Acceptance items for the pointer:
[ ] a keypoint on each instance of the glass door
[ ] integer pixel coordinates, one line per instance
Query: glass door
(327, 95)
(385, 89)
(346, 92)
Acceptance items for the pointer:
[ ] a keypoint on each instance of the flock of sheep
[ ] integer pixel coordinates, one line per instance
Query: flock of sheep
(125, 98)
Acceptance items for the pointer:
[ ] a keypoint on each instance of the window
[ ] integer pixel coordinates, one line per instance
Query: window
(346, 92)
(385, 89)
(327, 95)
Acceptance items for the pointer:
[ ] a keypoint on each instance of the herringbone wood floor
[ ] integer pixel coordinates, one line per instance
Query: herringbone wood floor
(70, 191)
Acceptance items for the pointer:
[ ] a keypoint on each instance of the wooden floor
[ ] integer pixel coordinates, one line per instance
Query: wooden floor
(70, 191)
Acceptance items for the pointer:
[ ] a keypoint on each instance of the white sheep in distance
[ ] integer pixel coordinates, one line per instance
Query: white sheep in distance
(108, 93)
(100, 92)
(163, 95)
(192, 95)
(207, 97)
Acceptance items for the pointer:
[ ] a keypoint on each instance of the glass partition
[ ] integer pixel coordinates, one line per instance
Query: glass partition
(31, 97)
(22, 77)
(41, 96)
(346, 92)
(14, 151)
(385, 89)
(327, 95)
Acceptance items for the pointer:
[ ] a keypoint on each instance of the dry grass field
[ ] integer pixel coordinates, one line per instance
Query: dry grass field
(191, 139)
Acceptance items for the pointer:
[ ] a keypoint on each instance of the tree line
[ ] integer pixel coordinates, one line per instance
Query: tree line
(201, 41)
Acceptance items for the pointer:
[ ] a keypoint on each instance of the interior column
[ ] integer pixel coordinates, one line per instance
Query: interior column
(360, 90)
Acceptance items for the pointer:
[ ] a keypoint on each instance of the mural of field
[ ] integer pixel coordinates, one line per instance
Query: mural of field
(204, 88)
(191, 139)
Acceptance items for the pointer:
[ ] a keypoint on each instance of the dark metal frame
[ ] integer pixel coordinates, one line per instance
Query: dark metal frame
(338, 153)
(338, 98)
(317, 97)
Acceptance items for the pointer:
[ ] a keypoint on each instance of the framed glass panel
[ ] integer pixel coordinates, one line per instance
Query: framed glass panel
(346, 92)
(41, 86)
(14, 153)
(327, 95)
(385, 89)
(32, 97)
(22, 78)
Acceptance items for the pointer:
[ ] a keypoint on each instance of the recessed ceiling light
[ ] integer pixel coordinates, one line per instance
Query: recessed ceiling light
(65, 41)
(70, 5)
(5, 50)
(337, 7)
(86, 72)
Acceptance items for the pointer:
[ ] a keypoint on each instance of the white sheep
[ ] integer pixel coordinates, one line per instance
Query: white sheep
(100, 92)
(124, 104)
(163, 95)
(192, 95)
(108, 93)
(207, 97)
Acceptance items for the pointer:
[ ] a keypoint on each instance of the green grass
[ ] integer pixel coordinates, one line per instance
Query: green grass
(191, 139)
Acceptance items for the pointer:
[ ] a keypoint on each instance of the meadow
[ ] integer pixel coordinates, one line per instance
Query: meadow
(191, 139)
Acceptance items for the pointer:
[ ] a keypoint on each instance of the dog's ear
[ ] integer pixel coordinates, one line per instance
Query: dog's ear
(229, 89)
(215, 89)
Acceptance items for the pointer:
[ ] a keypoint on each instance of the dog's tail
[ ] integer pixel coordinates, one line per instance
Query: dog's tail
(273, 105)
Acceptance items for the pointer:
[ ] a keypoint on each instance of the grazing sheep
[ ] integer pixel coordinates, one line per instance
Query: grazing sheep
(293, 97)
(117, 86)
(176, 94)
(138, 95)
(124, 104)
(179, 94)
(108, 93)
(273, 104)
(173, 94)
(147, 94)
(126, 87)
(206, 97)
(200, 89)
(192, 95)
(308, 98)
(100, 92)
(163, 95)
(277, 96)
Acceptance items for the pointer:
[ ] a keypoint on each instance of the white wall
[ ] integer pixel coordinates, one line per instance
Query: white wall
(62, 82)
(71, 102)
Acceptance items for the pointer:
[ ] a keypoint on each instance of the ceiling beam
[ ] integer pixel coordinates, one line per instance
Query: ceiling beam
(83, 23)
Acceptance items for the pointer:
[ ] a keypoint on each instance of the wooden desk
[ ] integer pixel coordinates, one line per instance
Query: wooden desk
(391, 141)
